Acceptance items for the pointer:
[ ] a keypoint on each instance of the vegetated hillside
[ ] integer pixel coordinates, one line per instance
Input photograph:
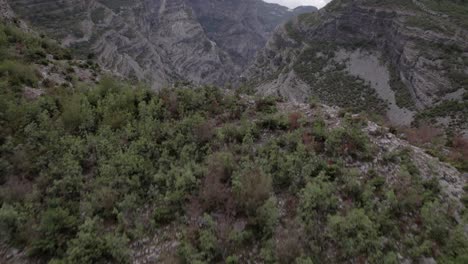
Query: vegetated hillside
(406, 59)
(32, 63)
(109, 172)
(160, 41)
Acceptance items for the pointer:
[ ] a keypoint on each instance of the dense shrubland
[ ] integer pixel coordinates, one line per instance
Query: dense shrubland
(86, 170)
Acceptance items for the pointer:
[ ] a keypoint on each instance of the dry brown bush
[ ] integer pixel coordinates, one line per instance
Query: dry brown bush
(15, 190)
(460, 144)
(253, 190)
(194, 213)
(422, 135)
(294, 119)
(204, 132)
(171, 102)
(215, 190)
(289, 243)
(459, 152)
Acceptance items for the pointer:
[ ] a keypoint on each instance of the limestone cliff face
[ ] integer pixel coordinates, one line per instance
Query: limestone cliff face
(241, 27)
(155, 40)
(423, 53)
(161, 41)
(5, 11)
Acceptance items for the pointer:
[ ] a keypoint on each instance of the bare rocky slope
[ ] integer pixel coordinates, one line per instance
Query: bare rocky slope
(159, 40)
(408, 59)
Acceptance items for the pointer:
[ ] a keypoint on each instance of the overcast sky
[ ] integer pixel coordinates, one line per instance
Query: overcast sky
(296, 3)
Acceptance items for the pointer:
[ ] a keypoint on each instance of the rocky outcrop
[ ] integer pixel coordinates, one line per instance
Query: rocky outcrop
(424, 55)
(162, 41)
(7, 15)
(5, 11)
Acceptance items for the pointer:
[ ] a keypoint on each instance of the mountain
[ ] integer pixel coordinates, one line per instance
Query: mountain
(204, 42)
(242, 27)
(157, 41)
(405, 59)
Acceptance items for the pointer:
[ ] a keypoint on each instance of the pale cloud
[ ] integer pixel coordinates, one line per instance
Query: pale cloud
(296, 3)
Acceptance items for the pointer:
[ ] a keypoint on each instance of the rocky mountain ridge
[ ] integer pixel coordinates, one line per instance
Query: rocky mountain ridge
(158, 40)
(242, 27)
(408, 59)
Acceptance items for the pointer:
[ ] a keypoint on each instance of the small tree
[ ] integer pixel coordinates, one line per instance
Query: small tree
(267, 217)
(56, 228)
(317, 200)
(355, 234)
(90, 246)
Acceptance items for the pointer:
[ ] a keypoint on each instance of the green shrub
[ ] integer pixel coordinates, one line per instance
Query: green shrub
(348, 141)
(163, 215)
(390, 258)
(319, 130)
(290, 168)
(90, 246)
(232, 260)
(267, 252)
(465, 188)
(464, 200)
(304, 260)
(267, 217)
(208, 240)
(9, 224)
(352, 185)
(355, 234)
(4, 168)
(317, 200)
(455, 249)
(236, 133)
(77, 114)
(36, 54)
(252, 187)
(435, 221)
(240, 238)
(274, 122)
(18, 73)
(57, 226)
(235, 106)
(266, 105)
